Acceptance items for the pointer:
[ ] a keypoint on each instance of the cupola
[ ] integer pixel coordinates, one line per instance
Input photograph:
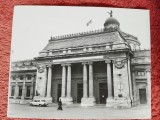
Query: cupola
(111, 22)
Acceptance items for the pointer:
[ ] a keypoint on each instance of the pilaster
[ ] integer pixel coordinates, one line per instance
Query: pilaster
(134, 89)
(148, 71)
(32, 88)
(41, 82)
(122, 83)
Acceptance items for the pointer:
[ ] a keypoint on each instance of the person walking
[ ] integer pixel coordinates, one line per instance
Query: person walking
(59, 105)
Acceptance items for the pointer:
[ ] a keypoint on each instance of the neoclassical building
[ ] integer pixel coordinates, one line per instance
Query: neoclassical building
(103, 66)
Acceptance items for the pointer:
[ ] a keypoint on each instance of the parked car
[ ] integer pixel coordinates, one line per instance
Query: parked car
(38, 103)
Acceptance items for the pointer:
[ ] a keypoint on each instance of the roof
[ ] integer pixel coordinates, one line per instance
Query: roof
(85, 40)
(129, 36)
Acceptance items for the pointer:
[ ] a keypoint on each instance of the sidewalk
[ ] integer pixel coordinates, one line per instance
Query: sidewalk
(77, 105)
(76, 111)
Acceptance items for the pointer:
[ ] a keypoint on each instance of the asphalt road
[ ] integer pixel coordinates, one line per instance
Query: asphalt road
(78, 112)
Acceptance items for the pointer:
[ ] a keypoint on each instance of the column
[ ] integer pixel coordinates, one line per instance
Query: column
(84, 80)
(109, 79)
(109, 100)
(149, 86)
(63, 80)
(24, 88)
(90, 79)
(49, 81)
(134, 88)
(85, 101)
(91, 98)
(69, 81)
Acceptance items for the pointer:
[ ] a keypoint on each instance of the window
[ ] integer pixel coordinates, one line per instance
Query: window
(12, 90)
(21, 77)
(28, 91)
(140, 73)
(29, 77)
(14, 78)
(20, 91)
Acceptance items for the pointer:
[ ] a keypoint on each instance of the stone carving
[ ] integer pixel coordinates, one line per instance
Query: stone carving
(119, 64)
(40, 69)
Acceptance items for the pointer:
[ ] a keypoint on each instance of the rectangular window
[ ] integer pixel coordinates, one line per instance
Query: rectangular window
(140, 73)
(20, 91)
(28, 91)
(21, 77)
(29, 77)
(12, 90)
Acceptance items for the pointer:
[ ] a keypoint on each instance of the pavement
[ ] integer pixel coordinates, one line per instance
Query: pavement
(76, 111)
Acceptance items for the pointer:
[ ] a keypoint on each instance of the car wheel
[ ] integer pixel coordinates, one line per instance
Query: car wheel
(31, 104)
(40, 105)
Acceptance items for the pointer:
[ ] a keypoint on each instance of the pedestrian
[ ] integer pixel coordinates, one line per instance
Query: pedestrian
(59, 105)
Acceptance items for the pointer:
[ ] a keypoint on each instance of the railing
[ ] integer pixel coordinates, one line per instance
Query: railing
(93, 48)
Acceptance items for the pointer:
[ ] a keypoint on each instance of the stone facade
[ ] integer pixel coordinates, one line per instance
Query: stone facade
(96, 67)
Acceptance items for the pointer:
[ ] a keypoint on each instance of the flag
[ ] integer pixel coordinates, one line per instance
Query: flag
(89, 22)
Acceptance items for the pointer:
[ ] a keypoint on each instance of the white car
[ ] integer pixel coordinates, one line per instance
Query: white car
(38, 103)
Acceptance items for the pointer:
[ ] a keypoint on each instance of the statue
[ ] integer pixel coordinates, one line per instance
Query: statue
(110, 13)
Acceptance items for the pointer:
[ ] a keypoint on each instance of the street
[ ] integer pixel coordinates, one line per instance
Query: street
(77, 112)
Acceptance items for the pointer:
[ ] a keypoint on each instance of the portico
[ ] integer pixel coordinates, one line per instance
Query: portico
(87, 79)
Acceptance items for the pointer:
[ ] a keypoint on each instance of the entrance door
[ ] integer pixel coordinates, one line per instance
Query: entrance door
(59, 92)
(103, 93)
(79, 92)
(142, 96)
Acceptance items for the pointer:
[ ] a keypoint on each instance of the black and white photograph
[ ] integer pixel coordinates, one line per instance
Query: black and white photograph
(70, 62)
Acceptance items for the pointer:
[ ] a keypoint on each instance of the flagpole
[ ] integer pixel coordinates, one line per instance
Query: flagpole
(89, 25)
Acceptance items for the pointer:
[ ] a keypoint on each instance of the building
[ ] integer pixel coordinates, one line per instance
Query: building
(103, 66)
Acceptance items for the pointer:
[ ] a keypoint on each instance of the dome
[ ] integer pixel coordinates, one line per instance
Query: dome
(111, 20)
(111, 23)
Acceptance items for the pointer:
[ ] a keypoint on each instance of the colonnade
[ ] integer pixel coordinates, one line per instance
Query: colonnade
(87, 82)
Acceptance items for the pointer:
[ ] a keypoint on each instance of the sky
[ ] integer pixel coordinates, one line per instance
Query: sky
(34, 25)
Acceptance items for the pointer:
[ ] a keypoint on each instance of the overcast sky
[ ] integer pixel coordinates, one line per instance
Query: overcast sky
(34, 25)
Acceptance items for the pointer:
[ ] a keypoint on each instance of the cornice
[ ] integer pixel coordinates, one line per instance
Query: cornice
(102, 52)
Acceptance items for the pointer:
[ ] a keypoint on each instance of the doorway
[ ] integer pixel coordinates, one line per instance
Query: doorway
(103, 93)
(59, 91)
(79, 92)
(142, 96)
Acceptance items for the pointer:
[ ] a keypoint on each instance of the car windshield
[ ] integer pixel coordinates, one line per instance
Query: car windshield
(43, 100)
